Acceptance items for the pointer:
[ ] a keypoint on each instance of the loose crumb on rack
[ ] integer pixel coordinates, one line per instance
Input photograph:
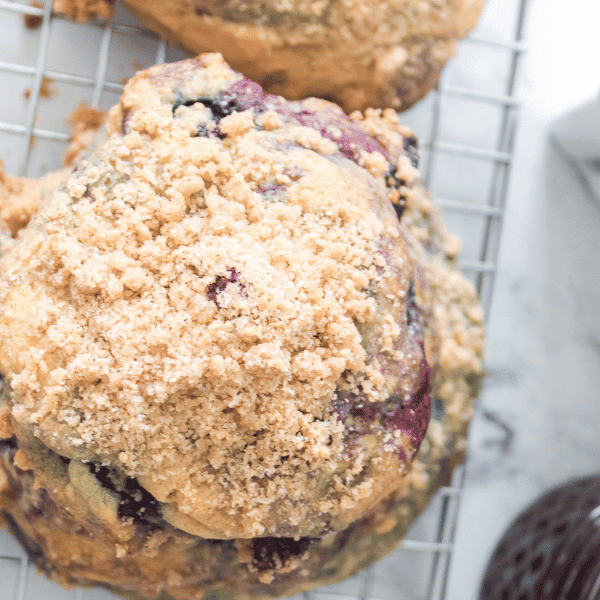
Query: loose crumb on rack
(46, 89)
(85, 121)
(33, 22)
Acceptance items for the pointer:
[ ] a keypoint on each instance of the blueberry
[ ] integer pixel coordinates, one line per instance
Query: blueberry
(219, 107)
(412, 418)
(134, 501)
(274, 552)
(271, 190)
(411, 146)
(9, 443)
(242, 95)
(367, 411)
(391, 180)
(138, 504)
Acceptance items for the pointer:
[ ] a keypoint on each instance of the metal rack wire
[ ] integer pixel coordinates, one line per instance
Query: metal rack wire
(432, 537)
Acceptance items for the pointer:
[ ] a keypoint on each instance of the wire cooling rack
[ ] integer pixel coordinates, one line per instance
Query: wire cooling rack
(467, 129)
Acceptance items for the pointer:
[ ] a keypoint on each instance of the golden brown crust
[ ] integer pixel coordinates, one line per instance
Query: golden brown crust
(360, 54)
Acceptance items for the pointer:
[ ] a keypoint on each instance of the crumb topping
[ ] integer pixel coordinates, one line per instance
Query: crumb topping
(359, 53)
(85, 121)
(191, 302)
(46, 89)
(20, 197)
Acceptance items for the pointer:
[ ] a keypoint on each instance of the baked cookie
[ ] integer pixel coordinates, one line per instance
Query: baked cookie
(219, 346)
(84, 10)
(366, 53)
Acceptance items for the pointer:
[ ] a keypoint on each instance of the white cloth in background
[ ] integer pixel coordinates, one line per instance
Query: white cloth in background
(577, 134)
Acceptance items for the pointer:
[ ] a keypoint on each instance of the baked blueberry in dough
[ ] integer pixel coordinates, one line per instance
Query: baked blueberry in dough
(221, 348)
(364, 53)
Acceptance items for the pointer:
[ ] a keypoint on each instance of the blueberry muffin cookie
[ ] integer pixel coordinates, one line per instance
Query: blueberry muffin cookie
(221, 349)
(367, 53)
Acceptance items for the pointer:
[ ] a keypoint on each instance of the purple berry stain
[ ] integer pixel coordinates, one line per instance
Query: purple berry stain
(271, 190)
(333, 124)
(412, 418)
(369, 412)
(342, 404)
(350, 137)
(220, 283)
(274, 552)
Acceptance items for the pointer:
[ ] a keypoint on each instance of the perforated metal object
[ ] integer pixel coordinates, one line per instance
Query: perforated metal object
(467, 130)
(552, 549)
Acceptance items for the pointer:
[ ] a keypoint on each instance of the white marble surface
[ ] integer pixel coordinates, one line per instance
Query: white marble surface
(543, 344)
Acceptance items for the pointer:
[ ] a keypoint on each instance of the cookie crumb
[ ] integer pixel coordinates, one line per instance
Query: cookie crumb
(46, 89)
(33, 22)
(85, 121)
(6, 426)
